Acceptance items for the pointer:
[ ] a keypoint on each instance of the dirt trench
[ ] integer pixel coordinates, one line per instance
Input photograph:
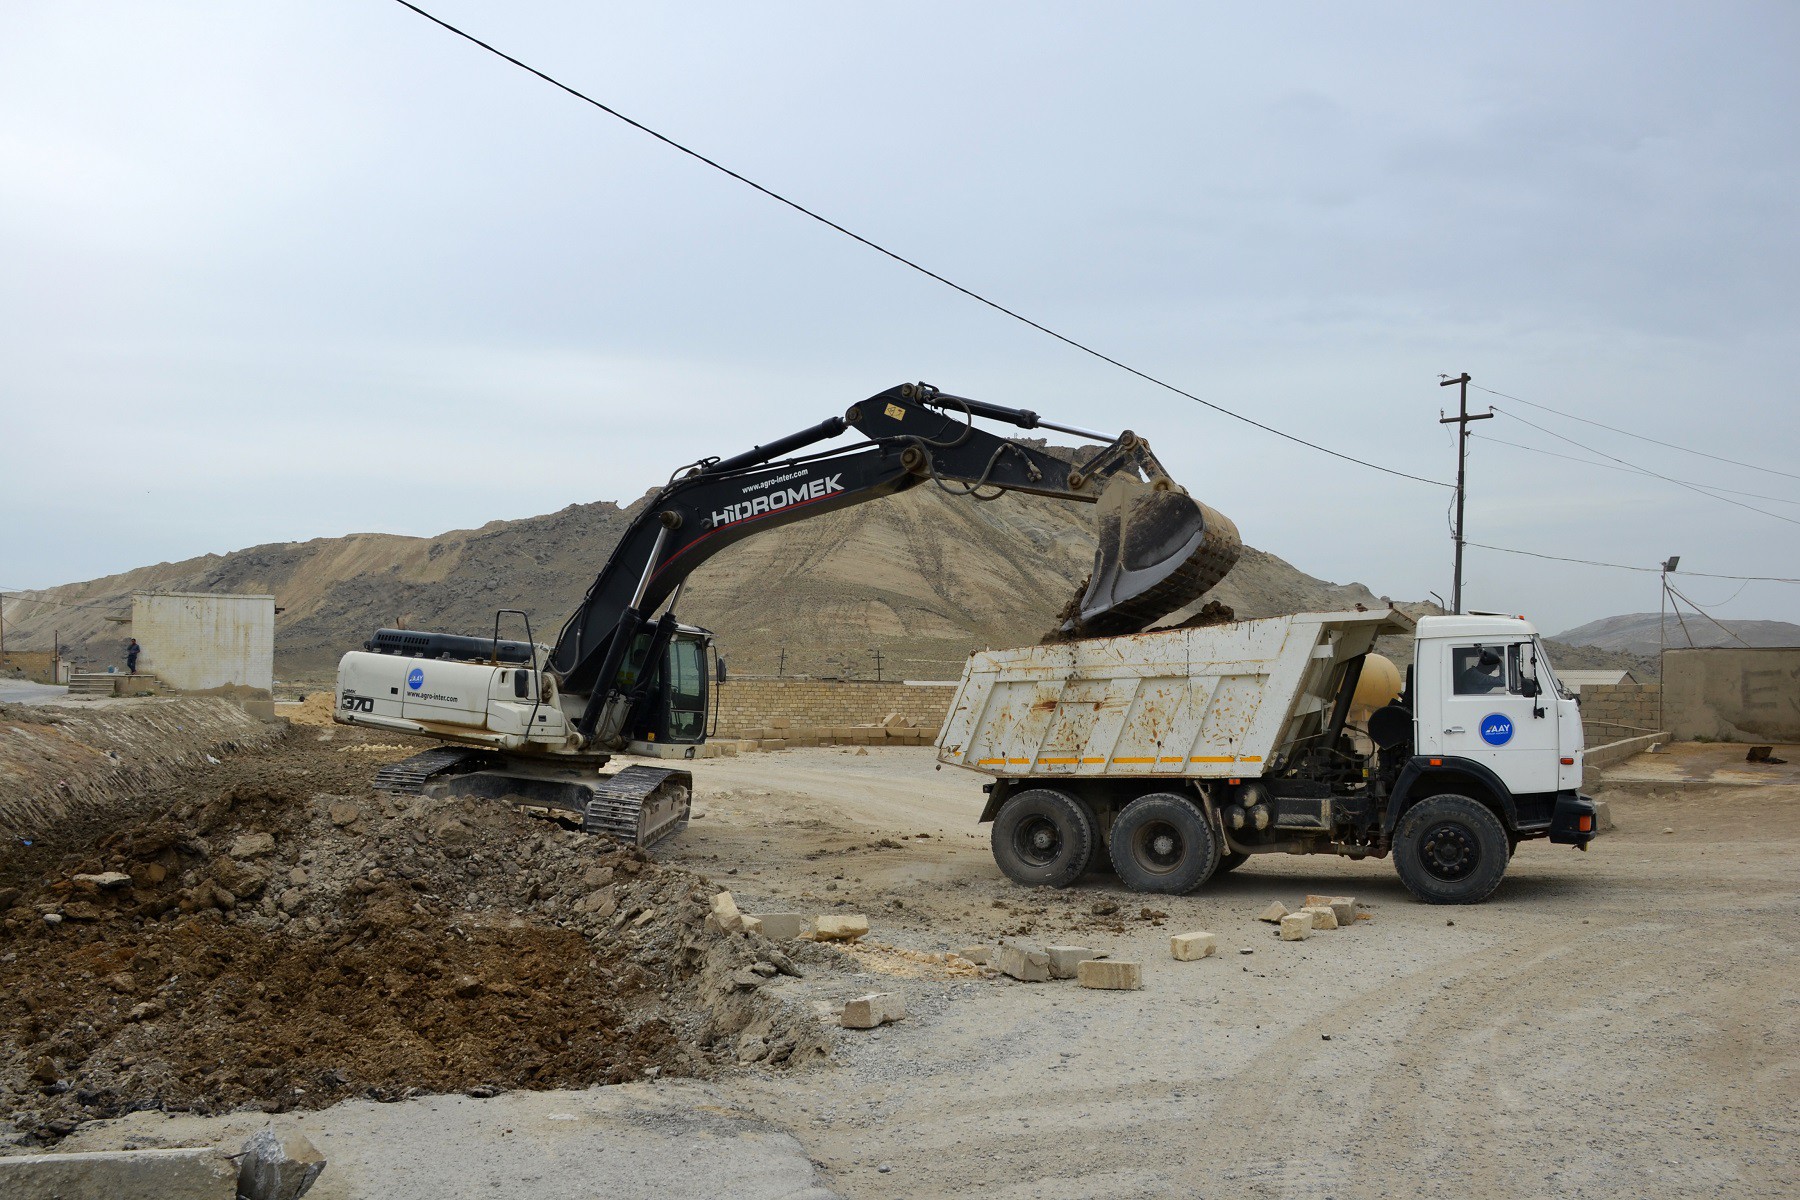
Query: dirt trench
(270, 933)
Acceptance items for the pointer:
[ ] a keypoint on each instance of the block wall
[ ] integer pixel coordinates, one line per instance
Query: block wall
(1612, 712)
(1736, 693)
(195, 641)
(749, 704)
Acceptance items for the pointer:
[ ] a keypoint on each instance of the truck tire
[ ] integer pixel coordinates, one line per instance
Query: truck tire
(1163, 843)
(1450, 849)
(1043, 838)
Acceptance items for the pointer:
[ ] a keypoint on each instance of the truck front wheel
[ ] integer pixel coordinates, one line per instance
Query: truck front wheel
(1163, 843)
(1450, 849)
(1043, 838)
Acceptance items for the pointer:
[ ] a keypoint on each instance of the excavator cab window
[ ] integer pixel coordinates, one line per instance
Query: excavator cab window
(686, 689)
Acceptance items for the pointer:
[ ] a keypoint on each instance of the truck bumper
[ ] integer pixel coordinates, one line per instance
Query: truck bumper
(1576, 821)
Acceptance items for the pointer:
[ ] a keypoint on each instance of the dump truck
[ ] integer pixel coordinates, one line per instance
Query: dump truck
(1177, 754)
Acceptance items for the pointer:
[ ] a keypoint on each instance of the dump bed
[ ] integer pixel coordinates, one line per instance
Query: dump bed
(1211, 702)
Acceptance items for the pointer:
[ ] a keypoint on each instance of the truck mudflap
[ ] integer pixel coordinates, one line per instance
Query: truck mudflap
(1576, 821)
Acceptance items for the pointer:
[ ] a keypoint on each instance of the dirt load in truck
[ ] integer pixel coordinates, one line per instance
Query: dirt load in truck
(1173, 755)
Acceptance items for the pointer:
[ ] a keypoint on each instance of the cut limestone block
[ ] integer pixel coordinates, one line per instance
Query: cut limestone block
(725, 916)
(752, 924)
(784, 927)
(774, 744)
(1063, 959)
(202, 1174)
(876, 1008)
(976, 954)
(1188, 947)
(277, 1166)
(1342, 907)
(1322, 916)
(1273, 913)
(841, 929)
(1110, 975)
(1602, 816)
(1296, 927)
(1030, 966)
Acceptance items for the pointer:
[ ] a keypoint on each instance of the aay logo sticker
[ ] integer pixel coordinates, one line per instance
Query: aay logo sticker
(1496, 729)
(415, 679)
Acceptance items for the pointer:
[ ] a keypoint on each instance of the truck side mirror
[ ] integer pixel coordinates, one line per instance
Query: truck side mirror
(719, 669)
(1529, 687)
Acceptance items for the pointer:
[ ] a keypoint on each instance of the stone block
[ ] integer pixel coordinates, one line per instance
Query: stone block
(724, 915)
(1189, 947)
(200, 1174)
(774, 744)
(1602, 816)
(784, 927)
(1342, 907)
(841, 929)
(978, 955)
(1110, 975)
(1064, 959)
(277, 1166)
(1322, 916)
(1296, 927)
(752, 924)
(1029, 966)
(876, 1008)
(1274, 913)
(779, 723)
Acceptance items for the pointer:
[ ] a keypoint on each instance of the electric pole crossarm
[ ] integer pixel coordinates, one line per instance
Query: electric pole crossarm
(1461, 420)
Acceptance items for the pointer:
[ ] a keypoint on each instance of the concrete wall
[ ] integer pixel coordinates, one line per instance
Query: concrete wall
(194, 640)
(748, 704)
(1733, 694)
(1611, 712)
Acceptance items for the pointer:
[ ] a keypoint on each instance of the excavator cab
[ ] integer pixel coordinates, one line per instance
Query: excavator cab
(679, 696)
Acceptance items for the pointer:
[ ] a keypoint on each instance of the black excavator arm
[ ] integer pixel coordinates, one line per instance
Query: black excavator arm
(1156, 552)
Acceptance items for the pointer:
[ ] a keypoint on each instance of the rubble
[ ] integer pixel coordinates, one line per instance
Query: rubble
(1323, 916)
(784, 927)
(978, 955)
(841, 928)
(1296, 927)
(275, 1166)
(1274, 913)
(1342, 907)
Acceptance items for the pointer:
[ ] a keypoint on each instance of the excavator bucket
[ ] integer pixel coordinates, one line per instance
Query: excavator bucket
(1158, 550)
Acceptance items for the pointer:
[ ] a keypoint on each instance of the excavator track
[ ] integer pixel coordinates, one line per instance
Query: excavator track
(640, 805)
(410, 775)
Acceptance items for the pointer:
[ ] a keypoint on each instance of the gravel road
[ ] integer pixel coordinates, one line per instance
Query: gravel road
(1617, 1023)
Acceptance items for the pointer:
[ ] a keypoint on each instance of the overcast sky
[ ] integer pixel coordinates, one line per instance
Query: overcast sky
(277, 271)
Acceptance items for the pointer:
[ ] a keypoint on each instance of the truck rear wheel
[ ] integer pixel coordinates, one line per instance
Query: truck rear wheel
(1043, 838)
(1163, 843)
(1450, 849)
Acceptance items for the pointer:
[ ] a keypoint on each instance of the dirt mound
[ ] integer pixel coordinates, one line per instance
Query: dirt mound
(274, 935)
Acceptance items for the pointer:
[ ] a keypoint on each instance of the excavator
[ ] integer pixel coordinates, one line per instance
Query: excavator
(537, 725)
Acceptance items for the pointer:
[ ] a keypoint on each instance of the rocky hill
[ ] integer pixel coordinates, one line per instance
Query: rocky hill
(923, 577)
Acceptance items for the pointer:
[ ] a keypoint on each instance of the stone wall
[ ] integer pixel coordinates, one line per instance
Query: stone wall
(747, 705)
(35, 665)
(1612, 712)
(1734, 693)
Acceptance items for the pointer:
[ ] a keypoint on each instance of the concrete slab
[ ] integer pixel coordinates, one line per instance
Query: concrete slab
(166, 1174)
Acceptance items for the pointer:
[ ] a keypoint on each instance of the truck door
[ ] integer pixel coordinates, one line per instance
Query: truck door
(1489, 718)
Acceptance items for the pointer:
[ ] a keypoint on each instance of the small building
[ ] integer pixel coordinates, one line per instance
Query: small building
(196, 641)
(1574, 681)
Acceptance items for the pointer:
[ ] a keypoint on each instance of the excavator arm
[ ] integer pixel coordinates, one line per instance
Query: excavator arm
(1158, 548)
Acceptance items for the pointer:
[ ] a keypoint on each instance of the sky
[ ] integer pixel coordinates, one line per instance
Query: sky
(277, 271)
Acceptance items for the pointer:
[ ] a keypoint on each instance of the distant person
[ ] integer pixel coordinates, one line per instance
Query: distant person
(131, 656)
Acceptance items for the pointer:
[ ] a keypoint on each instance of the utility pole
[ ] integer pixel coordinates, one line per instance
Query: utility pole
(877, 653)
(781, 663)
(1461, 420)
(1662, 617)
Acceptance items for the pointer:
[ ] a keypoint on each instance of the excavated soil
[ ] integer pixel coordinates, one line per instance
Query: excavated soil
(270, 933)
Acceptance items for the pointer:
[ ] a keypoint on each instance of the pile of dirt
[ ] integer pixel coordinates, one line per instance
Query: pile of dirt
(274, 935)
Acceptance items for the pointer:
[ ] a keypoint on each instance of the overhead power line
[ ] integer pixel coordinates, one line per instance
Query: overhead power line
(907, 262)
(1588, 462)
(1642, 437)
(1589, 562)
(1692, 487)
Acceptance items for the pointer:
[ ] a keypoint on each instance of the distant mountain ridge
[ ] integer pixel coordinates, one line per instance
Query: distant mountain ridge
(1636, 633)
